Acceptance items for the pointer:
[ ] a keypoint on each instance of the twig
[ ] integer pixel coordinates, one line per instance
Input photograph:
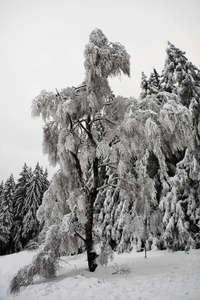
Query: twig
(121, 271)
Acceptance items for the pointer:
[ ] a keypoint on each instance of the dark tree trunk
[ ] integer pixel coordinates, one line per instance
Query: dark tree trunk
(89, 241)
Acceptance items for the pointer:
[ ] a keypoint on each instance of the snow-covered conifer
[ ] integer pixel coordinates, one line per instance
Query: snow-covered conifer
(19, 209)
(180, 76)
(1, 187)
(154, 85)
(32, 201)
(144, 86)
(6, 215)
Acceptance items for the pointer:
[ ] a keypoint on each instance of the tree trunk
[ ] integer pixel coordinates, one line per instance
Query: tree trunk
(89, 241)
(91, 254)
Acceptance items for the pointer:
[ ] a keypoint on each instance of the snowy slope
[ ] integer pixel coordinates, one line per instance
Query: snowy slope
(163, 275)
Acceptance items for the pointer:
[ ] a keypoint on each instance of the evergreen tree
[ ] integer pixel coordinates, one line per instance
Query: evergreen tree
(6, 215)
(180, 76)
(144, 86)
(155, 133)
(1, 187)
(32, 201)
(19, 208)
(154, 83)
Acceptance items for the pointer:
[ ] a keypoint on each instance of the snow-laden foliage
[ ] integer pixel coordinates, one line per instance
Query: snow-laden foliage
(103, 59)
(160, 150)
(180, 76)
(154, 85)
(144, 86)
(158, 138)
(129, 169)
(81, 127)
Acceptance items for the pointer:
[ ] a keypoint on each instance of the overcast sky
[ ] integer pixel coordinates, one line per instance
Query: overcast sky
(42, 44)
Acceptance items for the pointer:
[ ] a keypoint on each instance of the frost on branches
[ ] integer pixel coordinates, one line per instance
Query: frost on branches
(80, 134)
(129, 169)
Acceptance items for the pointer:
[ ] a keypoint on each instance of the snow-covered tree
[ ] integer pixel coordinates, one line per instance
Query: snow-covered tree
(79, 135)
(154, 85)
(161, 144)
(129, 169)
(155, 133)
(71, 134)
(144, 86)
(32, 201)
(6, 215)
(1, 187)
(180, 76)
(19, 209)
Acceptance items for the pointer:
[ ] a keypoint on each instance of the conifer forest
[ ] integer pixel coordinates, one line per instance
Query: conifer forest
(19, 203)
(129, 169)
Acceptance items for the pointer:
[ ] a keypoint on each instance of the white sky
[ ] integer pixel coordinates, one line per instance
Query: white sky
(42, 44)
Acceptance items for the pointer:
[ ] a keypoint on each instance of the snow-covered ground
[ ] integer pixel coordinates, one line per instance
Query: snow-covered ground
(163, 275)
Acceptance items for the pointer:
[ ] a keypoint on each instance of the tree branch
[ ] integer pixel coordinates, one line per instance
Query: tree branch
(109, 121)
(89, 134)
(114, 142)
(79, 235)
(116, 185)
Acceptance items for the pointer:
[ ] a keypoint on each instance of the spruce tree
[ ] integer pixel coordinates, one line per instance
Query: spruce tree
(180, 76)
(144, 86)
(6, 215)
(32, 201)
(154, 83)
(19, 208)
(156, 131)
(1, 187)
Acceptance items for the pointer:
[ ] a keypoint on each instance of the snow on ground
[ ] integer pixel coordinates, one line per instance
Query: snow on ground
(163, 275)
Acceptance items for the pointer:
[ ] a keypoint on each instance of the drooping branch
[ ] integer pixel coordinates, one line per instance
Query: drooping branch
(116, 185)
